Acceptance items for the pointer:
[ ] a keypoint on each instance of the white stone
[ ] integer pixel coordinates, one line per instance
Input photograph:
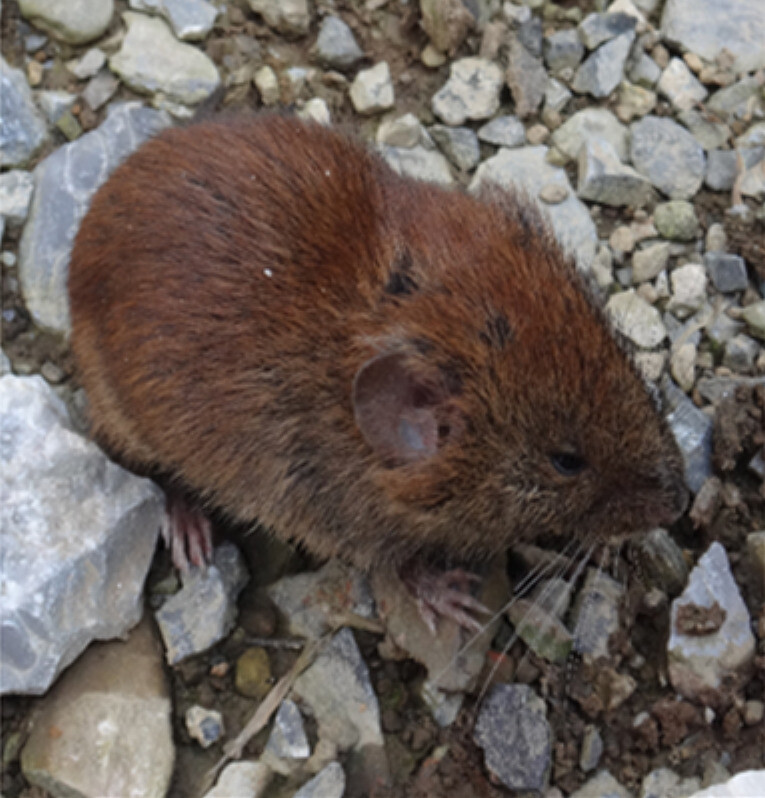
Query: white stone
(74, 21)
(88, 65)
(191, 20)
(527, 168)
(372, 89)
(419, 163)
(243, 780)
(291, 17)
(152, 60)
(472, 91)
(16, 189)
(689, 289)
(636, 319)
(680, 85)
(316, 110)
(267, 84)
(748, 784)
(705, 667)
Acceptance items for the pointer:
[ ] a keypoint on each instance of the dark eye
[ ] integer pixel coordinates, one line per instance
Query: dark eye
(567, 464)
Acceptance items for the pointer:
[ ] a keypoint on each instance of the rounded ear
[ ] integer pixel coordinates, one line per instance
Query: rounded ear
(397, 408)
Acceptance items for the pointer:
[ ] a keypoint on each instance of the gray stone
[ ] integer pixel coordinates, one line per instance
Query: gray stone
(338, 690)
(443, 706)
(715, 389)
(592, 749)
(372, 89)
(16, 189)
(55, 104)
(22, 128)
(563, 50)
(541, 630)
(527, 168)
(636, 319)
(753, 180)
(596, 614)
(604, 179)
(73, 22)
(290, 17)
(459, 144)
(710, 133)
(727, 272)
(513, 731)
(737, 101)
(707, 27)
(447, 23)
(310, 601)
(203, 611)
(646, 72)
(78, 536)
(288, 739)
(191, 20)
(530, 35)
(649, 262)
(692, 429)
(100, 90)
(665, 783)
(336, 46)
(526, 77)
(721, 330)
(741, 354)
(753, 137)
(472, 91)
(708, 667)
(668, 156)
(64, 184)
(420, 164)
(152, 60)
(680, 86)
(689, 290)
(112, 717)
(556, 96)
(329, 783)
(243, 780)
(595, 29)
(87, 66)
(503, 131)
(676, 220)
(634, 101)
(602, 785)
(603, 70)
(662, 562)
(402, 131)
(587, 124)
(204, 725)
(723, 166)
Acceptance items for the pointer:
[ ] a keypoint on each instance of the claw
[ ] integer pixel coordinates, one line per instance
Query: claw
(445, 594)
(187, 532)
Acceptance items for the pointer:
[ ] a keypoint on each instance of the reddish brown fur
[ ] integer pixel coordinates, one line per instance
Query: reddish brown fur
(238, 384)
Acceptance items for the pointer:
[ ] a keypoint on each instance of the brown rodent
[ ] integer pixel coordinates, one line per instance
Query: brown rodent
(377, 368)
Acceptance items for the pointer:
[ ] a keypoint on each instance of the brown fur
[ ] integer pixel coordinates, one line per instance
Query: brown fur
(239, 385)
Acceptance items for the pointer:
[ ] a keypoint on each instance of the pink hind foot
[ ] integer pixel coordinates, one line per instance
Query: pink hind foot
(444, 594)
(187, 532)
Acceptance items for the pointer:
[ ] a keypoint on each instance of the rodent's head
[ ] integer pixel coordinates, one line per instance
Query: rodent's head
(500, 404)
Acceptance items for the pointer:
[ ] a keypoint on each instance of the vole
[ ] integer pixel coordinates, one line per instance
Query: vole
(377, 368)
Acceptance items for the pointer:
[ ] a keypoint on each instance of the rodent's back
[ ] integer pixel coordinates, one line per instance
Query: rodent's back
(232, 281)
